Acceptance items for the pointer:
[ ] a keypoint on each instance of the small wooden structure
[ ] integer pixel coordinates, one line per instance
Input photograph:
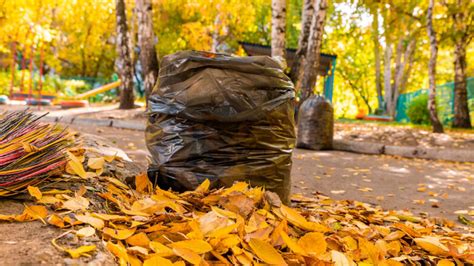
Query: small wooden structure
(327, 63)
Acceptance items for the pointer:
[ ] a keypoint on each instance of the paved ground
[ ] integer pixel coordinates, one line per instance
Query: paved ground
(391, 182)
(421, 186)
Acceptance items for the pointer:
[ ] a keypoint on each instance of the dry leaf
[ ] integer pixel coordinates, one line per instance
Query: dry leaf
(198, 246)
(85, 232)
(35, 192)
(313, 243)
(188, 255)
(76, 203)
(140, 239)
(432, 245)
(96, 163)
(120, 234)
(266, 252)
(95, 222)
(157, 261)
(75, 165)
(142, 183)
(81, 251)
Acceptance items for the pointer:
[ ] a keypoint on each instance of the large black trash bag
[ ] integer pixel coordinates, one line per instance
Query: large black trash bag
(222, 118)
(315, 124)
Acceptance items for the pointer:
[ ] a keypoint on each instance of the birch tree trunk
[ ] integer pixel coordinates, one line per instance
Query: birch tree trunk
(278, 29)
(298, 61)
(461, 110)
(375, 38)
(437, 126)
(314, 48)
(387, 73)
(146, 42)
(124, 63)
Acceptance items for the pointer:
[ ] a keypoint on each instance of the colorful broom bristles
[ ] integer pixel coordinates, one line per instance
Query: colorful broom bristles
(30, 151)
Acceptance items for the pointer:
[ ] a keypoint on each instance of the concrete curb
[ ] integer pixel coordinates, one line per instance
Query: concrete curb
(455, 155)
(97, 122)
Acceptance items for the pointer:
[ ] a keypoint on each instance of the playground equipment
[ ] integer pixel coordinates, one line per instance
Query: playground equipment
(78, 100)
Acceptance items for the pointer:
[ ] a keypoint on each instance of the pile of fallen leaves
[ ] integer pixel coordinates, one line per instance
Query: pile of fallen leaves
(30, 151)
(236, 225)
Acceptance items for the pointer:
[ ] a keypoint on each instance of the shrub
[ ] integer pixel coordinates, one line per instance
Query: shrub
(418, 110)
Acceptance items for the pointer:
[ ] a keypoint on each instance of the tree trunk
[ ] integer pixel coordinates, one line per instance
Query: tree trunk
(461, 109)
(299, 59)
(278, 29)
(387, 73)
(437, 126)
(146, 39)
(375, 38)
(124, 63)
(12, 67)
(314, 48)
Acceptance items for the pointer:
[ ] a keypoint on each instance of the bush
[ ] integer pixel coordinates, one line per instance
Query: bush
(418, 110)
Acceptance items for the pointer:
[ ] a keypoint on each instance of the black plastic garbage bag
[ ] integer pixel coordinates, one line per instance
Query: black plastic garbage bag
(315, 124)
(222, 118)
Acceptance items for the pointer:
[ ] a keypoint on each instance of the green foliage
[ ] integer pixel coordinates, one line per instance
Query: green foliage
(418, 110)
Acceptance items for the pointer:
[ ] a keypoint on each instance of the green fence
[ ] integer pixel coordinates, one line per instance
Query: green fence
(444, 98)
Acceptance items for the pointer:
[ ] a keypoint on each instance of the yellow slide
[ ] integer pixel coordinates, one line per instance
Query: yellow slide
(76, 101)
(101, 89)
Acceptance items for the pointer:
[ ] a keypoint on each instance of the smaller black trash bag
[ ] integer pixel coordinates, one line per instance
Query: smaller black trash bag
(315, 124)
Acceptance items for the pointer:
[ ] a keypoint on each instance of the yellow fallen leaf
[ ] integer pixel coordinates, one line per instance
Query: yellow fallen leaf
(203, 187)
(157, 261)
(298, 220)
(110, 217)
(35, 192)
(445, 262)
(340, 259)
(188, 255)
(75, 165)
(32, 213)
(266, 252)
(96, 163)
(313, 243)
(198, 246)
(292, 245)
(140, 239)
(76, 203)
(95, 222)
(85, 232)
(432, 245)
(120, 234)
(49, 200)
(142, 183)
(81, 251)
(161, 249)
(119, 251)
(56, 191)
(56, 220)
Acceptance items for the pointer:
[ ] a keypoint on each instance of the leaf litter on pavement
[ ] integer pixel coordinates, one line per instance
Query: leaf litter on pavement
(142, 225)
(99, 209)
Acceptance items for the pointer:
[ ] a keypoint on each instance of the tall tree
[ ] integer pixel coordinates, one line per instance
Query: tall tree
(279, 29)
(314, 48)
(299, 59)
(437, 126)
(461, 33)
(124, 62)
(375, 38)
(146, 39)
